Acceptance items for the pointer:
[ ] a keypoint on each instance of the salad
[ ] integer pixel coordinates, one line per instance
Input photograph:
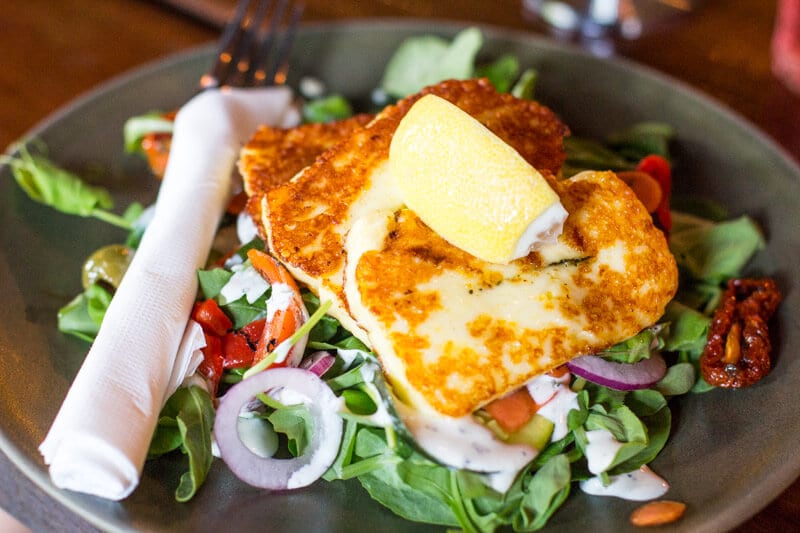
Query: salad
(240, 288)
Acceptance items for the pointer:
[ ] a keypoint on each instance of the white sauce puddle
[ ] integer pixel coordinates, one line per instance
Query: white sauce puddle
(638, 485)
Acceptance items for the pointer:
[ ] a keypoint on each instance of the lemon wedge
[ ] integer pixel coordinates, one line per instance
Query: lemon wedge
(469, 186)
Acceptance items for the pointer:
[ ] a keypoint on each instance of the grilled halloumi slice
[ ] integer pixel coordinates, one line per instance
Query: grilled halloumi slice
(307, 220)
(273, 156)
(454, 332)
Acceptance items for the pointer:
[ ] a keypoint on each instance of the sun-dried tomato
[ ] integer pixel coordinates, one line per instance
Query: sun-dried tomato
(737, 353)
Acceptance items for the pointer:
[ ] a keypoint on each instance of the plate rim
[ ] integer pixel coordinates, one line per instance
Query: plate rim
(768, 489)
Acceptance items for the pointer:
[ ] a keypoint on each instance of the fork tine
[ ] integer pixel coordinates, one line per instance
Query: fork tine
(223, 58)
(257, 74)
(246, 58)
(281, 64)
(248, 42)
(272, 69)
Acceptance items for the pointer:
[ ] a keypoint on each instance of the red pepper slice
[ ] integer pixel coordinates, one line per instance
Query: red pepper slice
(236, 351)
(212, 365)
(211, 317)
(253, 331)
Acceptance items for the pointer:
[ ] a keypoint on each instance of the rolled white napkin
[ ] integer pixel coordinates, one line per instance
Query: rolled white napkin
(98, 442)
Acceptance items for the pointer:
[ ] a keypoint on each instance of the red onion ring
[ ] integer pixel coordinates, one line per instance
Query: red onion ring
(619, 376)
(318, 362)
(280, 474)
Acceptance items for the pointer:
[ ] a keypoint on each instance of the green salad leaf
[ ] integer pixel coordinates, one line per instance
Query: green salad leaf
(327, 109)
(642, 139)
(296, 423)
(635, 348)
(425, 60)
(714, 251)
(45, 182)
(185, 422)
(525, 86)
(502, 72)
(542, 494)
(82, 316)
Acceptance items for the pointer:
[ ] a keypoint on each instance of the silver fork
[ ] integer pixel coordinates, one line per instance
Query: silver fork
(249, 55)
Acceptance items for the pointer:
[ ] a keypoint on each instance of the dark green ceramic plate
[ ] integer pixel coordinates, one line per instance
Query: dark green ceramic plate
(730, 452)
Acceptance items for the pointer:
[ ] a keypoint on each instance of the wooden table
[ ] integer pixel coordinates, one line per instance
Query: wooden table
(54, 51)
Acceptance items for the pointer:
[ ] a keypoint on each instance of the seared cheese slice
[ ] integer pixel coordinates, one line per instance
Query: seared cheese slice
(273, 156)
(454, 332)
(308, 219)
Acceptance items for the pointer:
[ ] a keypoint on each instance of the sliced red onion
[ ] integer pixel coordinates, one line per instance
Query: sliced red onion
(280, 474)
(619, 376)
(318, 362)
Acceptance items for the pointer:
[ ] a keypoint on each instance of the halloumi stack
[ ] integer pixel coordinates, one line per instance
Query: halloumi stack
(453, 331)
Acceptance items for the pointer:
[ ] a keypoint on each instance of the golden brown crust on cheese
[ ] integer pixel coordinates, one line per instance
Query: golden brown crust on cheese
(273, 156)
(400, 283)
(304, 215)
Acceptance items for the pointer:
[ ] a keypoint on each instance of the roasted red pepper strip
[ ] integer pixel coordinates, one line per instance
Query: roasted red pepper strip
(737, 353)
(156, 148)
(211, 317)
(236, 351)
(212, 365)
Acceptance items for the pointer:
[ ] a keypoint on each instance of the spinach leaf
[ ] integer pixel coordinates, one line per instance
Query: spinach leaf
(688, 329)
(501, 72)
(185, 422)
(526, 85)
(642, 139)
(83, 315)
(635, 348)
(212, 281)
(296, 423)
(425, 60)
(626, 427)
(327, 109)
(584, 154)
(53, 186)
(679, 379)
(621, 150)
(543, 494)
(715, 251)
(658, 427)
(242, 312)
(388, 486)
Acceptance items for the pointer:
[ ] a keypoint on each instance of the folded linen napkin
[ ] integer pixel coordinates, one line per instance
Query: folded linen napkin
(98, 442)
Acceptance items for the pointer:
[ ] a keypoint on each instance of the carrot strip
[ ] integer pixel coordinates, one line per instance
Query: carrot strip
(513, 411)
(644, 186)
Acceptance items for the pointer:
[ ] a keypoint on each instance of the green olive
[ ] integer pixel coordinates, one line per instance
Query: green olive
(107, 264)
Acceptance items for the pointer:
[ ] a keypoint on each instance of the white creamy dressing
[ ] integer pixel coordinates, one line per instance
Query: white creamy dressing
(638, 485)
(246, 229)
(500, 481)
(247, 282)
(348, 356)
(324, 409)
(282, 350)
(556, 400)
(601, 450)
(465, 443)
(280, 299)
(381, 417)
